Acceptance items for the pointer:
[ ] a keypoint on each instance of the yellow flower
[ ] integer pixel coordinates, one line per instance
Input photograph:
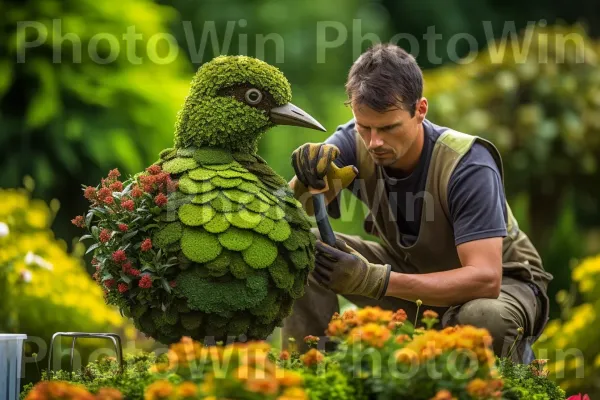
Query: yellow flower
(266, 386)
(373, 314)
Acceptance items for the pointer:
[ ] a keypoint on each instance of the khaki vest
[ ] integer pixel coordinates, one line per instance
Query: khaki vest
(434, 249)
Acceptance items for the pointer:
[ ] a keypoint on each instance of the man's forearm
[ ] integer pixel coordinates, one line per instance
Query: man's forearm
(446, 288)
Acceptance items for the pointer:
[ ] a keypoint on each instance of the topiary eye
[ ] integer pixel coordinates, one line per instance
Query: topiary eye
(253, 96)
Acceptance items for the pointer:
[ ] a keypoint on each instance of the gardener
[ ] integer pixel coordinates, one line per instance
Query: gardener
(445, 234)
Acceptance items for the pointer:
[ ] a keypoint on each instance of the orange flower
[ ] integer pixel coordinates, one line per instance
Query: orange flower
(372, 334)
(443, 395)
(312, 357)
(158, 390)
(187, 389)
(399, 315)
(284, 355)
(49, 390)
(293, 394)
(337, 327)
(373, 314)
(266, 386)
(289, 378)
(402, 338)
(406, 356)
(480, 389)
(430, 314)
(349, 317)
(109, 394)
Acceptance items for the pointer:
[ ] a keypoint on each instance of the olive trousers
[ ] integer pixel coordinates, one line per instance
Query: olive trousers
(518, 306)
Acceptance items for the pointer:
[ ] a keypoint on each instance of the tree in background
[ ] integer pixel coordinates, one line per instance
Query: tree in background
(540, 106)
(84, 100)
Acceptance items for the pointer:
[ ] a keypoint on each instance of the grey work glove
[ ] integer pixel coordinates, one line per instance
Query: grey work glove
(345, 271)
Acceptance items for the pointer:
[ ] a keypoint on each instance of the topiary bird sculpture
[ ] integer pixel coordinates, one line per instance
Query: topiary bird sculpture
(243, 242)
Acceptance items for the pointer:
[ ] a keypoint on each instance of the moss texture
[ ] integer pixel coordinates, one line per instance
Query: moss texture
(243, 242)
(211, 119)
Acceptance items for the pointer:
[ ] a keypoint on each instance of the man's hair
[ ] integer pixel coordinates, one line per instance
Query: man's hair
(383, 77)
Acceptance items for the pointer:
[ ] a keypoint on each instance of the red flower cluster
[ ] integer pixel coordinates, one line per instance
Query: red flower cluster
(105, 235)
(129, 205)
(160, 199)
(123, 227)
(157, 180)
(78, 221)
(119, 256)
(145, 282)
(129, 270)
(116, 186)
(146, 245)
(122, 288)
(136, 192)
(89, 193)
(109, 283)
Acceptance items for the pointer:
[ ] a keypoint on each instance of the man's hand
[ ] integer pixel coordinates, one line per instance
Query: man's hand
(311, 162)
(345, 271)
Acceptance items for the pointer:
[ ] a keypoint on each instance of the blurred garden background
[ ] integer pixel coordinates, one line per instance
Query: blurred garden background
(67, 117)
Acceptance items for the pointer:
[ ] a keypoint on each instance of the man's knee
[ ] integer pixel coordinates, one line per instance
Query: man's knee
(490, 314)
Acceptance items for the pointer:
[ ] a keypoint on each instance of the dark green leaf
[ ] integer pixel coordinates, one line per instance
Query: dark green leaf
(92, 248)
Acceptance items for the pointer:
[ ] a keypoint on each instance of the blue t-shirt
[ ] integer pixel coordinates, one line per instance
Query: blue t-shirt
(476, 197)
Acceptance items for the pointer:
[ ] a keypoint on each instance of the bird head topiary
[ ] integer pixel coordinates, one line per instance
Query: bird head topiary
(208, 242)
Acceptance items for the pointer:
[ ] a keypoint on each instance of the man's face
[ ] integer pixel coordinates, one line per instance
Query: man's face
(388, 135)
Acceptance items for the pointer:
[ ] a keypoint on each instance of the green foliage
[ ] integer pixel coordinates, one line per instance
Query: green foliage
(210, 118)
(521, 382)
(168, 234)
(236, 239)
(103, 373)
(261, 253)
(179, 165)
(195, 215)
(200, 246)
(213, 155)
(330, 384)
(204, 295)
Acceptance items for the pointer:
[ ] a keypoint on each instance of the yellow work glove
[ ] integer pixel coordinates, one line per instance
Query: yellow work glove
(314, 168)
(345, 271)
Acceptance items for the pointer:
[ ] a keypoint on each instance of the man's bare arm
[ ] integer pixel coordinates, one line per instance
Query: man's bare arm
(479, 277)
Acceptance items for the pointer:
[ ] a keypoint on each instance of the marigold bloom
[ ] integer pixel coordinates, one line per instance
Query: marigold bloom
(105, 235)
(293, 393)
(158, 390)
(372, 334)
(160, 200)
(146, 245)
(128, 204)
(336, 327)
(430, 314)
(443, 395)
(114, 173)
(119, 256)
(187, 389)
(289, 378)
(373, 314)
(78, 221)
(265, 386)
(109, 394)
(145, 282)
(122, 287)
(312, 357)
(406, 355)
(402, 339)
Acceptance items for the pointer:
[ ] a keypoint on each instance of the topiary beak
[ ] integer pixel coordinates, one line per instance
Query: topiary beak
(289, 114)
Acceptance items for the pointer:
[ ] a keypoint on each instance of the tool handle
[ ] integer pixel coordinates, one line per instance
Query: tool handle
(327, 235)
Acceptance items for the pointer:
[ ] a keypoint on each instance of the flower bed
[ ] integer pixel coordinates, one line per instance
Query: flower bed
(378, 355)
